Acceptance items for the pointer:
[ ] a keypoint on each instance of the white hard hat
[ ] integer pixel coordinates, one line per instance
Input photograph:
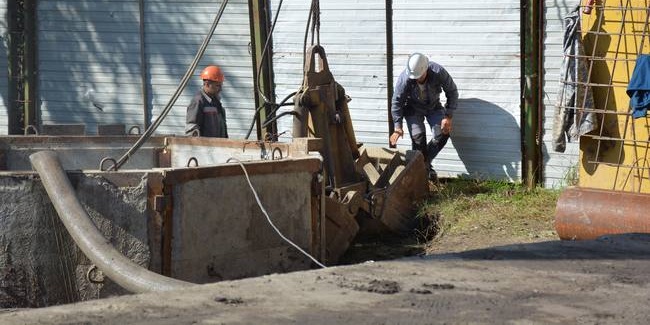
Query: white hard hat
(417, 65)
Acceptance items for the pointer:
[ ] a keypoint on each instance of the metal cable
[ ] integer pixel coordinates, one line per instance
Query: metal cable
(64, 261)
(314, 12)
(315, 25)
(266, 214)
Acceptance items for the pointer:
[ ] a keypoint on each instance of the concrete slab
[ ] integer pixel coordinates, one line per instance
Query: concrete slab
(604, 281)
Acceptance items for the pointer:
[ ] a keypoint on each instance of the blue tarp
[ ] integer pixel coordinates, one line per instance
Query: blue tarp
(639, 87)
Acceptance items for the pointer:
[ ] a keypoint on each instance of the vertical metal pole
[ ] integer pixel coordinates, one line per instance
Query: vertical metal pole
(389, 64)
(29, 68)
(259, 15)
(539, 55)
(15, 35)
(144, 70)
(530, 92)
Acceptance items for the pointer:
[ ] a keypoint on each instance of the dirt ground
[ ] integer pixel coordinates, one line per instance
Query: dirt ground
(477, 276)
(605, 281)
(470, 239)
(479, 238)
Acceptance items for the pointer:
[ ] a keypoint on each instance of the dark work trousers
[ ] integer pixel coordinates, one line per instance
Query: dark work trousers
(418, 133)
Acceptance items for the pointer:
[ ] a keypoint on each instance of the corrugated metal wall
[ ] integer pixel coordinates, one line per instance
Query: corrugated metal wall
(89, 56)
(174, 31)
(558, 166)
(353, 34)
(89, 50)
(4, 77)
(89, 59)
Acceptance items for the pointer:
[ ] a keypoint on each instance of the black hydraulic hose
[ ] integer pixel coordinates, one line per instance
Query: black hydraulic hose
(92, 243)
(250, 128)
(283, 102)
(277, 107)
(150, 130)
(257, 111)
(275, 118)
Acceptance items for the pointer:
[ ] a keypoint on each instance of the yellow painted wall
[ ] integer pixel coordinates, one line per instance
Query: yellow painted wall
(610, 155)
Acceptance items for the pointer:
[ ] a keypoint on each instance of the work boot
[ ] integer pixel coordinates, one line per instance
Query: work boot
(433, 176)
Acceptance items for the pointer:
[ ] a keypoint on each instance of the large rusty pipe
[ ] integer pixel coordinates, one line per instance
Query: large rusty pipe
(585, 213)
(116, 266)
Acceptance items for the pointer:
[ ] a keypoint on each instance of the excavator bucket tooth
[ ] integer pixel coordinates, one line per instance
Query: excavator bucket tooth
(340, 229)
(405, 184)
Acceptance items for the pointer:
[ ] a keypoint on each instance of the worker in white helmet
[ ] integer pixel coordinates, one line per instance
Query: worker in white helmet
(417, 97)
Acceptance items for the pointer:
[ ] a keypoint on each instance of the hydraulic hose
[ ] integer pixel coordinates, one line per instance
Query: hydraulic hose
(100, 251)
(275, 109)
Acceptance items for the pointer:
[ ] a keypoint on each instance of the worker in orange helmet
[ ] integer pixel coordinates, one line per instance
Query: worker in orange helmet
(205, 115)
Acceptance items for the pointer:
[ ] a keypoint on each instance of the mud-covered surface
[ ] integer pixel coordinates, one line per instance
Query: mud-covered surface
(40, 265)
(596, 282)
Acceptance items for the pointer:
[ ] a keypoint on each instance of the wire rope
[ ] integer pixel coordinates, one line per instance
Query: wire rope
(268, 218)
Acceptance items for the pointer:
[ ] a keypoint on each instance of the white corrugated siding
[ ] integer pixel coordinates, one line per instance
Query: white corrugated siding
(94, 46)
(4, 77)
(558, 166)
(353, 34)
(89, 55)
(174, 32)
(86, 45)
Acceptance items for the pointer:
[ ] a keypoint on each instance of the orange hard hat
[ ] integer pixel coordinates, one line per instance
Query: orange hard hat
(212, 73)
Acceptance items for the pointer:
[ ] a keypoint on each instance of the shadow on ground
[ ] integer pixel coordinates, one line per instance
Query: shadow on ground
(611, 247)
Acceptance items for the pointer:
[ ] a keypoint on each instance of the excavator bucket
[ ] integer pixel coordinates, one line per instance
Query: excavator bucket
(397, 179)
(369, 184)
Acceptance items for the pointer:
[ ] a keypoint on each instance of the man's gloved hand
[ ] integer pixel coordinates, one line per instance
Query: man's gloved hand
(398, 133)
(445, 125)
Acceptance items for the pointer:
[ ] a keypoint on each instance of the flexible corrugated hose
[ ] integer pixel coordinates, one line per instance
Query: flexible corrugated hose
(92, 243)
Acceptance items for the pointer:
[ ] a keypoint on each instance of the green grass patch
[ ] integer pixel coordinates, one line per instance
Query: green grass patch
(463, 206)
